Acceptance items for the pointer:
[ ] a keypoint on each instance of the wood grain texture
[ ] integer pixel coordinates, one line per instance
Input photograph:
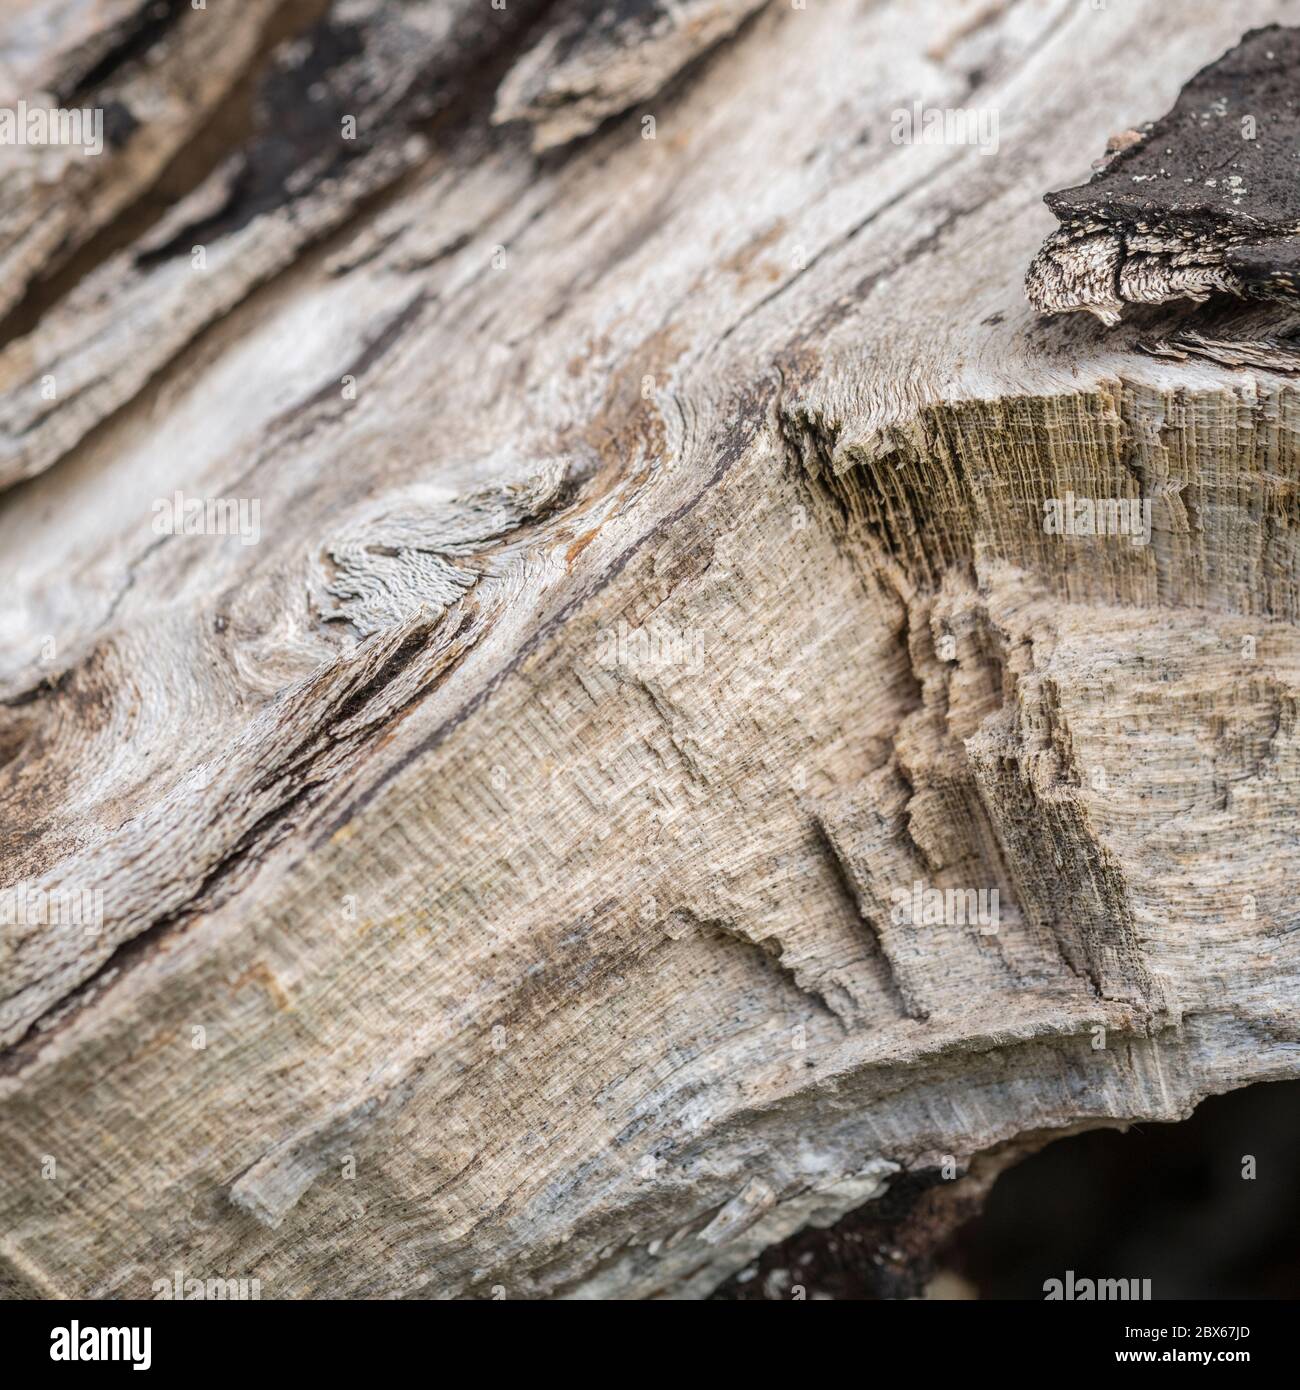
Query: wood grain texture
(651, 583)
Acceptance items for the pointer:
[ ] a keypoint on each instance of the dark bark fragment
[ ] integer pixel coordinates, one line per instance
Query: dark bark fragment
(1206, 200)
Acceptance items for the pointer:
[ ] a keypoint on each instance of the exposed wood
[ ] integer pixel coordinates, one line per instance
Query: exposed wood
(651, 584)
(593, 61)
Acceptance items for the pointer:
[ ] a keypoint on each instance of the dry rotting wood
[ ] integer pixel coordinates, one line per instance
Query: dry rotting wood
(502, 855)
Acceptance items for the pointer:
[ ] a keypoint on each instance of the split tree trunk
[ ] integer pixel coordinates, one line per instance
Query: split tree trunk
(499, 857)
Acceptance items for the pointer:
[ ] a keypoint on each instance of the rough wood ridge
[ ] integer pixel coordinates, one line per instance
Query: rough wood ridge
(713, 711)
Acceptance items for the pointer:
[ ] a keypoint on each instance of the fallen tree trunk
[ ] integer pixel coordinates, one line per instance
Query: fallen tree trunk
(635, 773)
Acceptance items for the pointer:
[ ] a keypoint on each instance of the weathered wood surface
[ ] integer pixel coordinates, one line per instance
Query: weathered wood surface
(526, 955)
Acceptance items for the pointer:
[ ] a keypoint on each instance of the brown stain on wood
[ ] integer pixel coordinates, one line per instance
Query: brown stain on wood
(578, 546)
(264, 976)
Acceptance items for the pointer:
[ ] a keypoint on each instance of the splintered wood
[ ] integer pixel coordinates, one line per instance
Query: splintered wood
(585, 685)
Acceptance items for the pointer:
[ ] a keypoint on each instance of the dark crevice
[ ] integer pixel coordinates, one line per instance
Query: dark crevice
(298, 133)
(226, 129)
(134, 37)
(880, 1251)
(1171, 1203)
(1205, 1208)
